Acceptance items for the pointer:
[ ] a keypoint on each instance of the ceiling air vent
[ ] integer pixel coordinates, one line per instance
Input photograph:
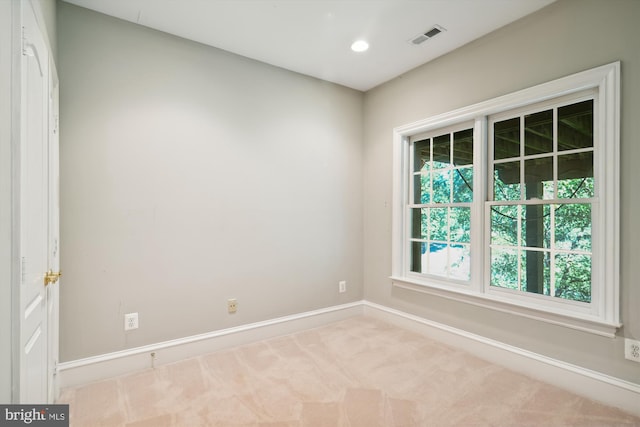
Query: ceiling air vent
(437, 29)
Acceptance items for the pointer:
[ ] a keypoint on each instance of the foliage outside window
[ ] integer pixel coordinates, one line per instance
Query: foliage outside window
(441, 207)
(514, 202)
(542, 192)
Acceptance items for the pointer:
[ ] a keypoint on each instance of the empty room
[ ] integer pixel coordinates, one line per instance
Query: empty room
(320, 212)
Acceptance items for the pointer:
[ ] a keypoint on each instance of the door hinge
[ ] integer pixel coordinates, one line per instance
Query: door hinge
(24, 42)
(26, 51)
(23, 269)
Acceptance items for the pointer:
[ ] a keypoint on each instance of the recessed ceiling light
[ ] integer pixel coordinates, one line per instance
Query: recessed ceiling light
(359, 46)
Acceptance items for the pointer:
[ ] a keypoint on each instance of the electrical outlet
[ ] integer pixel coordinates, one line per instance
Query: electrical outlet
(232, 305)
(130, 321)
(342, 286)
(632, 350)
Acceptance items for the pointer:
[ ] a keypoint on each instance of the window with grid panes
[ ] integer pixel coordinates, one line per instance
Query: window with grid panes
(513, 203)
(541, 196)
(442, 192)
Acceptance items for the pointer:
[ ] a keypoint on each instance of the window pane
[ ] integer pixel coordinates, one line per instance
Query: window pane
(504, 225)
(506, 139)
(417, 251)
(573, 227)
(419, 223)
(536, 272)
(463, 147)
(504, 268)
(462, 185)
(422, 154)
(438, 224)
(538, 178)
(460, 260)
(421, 189)
(536, 226)
(438, 259)
(460, 225)
(506, 181)
(441, 151)
(575, 175)
(575, 126)
(538, 133)
(441, 186)
(573, 277)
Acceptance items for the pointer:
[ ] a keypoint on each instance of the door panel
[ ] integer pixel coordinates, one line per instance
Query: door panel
(34, 208)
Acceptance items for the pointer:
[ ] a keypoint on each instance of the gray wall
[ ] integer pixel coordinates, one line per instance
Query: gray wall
(189, 176)
(564, 38)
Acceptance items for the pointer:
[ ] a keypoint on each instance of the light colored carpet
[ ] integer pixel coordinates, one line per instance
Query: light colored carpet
(357, 372)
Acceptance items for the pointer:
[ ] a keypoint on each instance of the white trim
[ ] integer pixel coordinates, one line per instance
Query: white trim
(603, 316)
(6, 205)
(505, 305)
(17, 262)
(82, 371)
(581, 381)
(610, 97)
(605, 77)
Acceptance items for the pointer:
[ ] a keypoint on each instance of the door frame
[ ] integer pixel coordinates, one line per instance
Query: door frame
(6, 200)
(16, 129)
(53, 250)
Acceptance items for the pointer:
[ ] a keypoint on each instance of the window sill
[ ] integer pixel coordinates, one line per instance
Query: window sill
(582, 323)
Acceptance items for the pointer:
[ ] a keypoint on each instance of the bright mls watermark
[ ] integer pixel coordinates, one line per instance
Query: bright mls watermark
(34, 415)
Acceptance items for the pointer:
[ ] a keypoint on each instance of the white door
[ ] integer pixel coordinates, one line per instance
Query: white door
(34, 211)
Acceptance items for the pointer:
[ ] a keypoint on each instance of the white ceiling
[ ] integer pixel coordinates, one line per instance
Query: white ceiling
(313, 37)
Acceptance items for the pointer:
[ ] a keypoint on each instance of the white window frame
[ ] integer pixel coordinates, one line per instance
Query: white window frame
(602, 316)
(441, 131)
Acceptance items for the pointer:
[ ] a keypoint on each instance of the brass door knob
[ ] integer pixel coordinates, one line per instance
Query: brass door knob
(51, 277)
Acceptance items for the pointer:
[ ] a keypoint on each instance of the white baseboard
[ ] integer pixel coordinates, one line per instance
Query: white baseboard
(581, 381)
(584, 382)
(83, 371)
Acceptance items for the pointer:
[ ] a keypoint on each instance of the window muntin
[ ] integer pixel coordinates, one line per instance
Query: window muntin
(440, 204)
(541, 201)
